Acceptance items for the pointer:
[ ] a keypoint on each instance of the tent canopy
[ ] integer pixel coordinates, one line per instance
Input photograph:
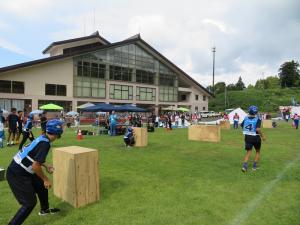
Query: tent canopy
(85, 105)
(72, 113)
(129, 108)
(242, 114)
(170, 108)
(103, 107)
(51, 106)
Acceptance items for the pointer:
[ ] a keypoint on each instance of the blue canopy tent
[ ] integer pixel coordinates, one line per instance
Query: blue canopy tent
(130, 108)
(103, 107)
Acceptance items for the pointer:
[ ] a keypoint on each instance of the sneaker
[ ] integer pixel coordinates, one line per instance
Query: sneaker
(48, 211)
(244, 169)
(255, 168)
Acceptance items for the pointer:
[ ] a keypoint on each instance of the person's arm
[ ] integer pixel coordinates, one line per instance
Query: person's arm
(37, 168)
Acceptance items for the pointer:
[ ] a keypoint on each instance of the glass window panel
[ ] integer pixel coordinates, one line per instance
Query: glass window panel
(94, 92)
(18, 87)
(102, 93)
(5, 86)
(50, 89)
(86, 92)
(61, 90)
(86, 84)
(78, 91)
(118, 94)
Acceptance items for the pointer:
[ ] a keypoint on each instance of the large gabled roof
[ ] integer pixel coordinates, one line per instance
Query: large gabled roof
(134, 39)
(93, 35)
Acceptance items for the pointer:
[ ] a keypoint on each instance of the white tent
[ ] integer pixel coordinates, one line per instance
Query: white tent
(295, 109)
(240, 112)
(85, 105)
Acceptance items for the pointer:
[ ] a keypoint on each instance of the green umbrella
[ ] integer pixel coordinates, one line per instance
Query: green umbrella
(183, 109)
(51, 107)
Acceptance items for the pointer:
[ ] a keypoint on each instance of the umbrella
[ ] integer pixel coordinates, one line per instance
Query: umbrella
(51, 107)
(37, 111)
(130, 108)
(100, 107)
(72, 113)
(183, 109)
(85, 105)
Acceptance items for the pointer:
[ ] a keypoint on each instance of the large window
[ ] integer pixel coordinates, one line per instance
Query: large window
(55, 89)
(168, 94)
(120, 73)
(145, 94)
(145, 77)
(89, 87)
(8, 86)
(87, 69)
(121, 92)
(167, 80)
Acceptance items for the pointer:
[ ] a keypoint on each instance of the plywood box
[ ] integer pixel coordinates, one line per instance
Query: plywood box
(76, 175)
(141, 136)
(225, 124)
(267, 124)
(211, 133)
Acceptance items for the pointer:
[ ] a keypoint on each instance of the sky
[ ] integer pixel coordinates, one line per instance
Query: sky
(252, 37)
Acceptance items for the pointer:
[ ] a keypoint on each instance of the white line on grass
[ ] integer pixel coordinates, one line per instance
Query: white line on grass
(239, 219)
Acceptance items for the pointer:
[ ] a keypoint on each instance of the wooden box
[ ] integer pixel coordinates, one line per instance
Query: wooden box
(211, 133)
(2, 174)
(141, 136)
(267, 124)
(225, 124)
(76, 175)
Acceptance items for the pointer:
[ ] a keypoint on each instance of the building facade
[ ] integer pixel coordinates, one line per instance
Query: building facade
(91, 69)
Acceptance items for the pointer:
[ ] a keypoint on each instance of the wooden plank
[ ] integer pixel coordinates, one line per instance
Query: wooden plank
(210, 133)
(141, 136)
(267, 124)
(76, 176)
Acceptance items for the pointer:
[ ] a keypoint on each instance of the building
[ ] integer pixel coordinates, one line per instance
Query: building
(91, 69)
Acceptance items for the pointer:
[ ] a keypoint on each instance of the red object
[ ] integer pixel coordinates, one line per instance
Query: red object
(79, 135)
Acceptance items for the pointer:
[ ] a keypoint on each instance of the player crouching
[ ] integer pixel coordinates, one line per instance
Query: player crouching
(251, 129)
(26, 177)
(129, 138)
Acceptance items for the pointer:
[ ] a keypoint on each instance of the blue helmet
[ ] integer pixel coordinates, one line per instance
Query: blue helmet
(54, 127)
(253, 110)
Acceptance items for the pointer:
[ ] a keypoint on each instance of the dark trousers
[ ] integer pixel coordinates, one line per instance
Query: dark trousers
(235, 124)
(25, 189)
(129, 141)
(296, 123)
(26, 135)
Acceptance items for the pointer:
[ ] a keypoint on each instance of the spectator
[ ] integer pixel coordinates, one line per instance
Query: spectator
(12, 126)
(113, 123)
(236, 119)
(182, 119)
(20, 125)
(27, 133)
(296, 120)
(43, 119)
(129, 138)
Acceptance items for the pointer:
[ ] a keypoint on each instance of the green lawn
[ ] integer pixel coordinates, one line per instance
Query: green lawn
(176, 181)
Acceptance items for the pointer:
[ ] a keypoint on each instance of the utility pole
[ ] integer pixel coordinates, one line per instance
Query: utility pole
(214, 53)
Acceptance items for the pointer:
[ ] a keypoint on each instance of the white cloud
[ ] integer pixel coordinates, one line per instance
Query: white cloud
(11, 47)
(221, 26)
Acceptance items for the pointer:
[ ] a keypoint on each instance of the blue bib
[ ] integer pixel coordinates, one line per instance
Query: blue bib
(250, 126)
(22, 154)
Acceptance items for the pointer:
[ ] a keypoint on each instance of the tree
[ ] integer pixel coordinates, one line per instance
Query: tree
(273, 82)
(289, 74)
(219, 87)
(231, 87)
(239, 86)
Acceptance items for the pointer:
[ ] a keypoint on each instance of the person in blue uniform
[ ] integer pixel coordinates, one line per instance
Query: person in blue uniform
(129, 138)
(25, 175)
(27, 133)
(253, 135)
(112, 123)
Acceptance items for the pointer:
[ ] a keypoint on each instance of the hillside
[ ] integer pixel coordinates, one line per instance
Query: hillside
(267, 100)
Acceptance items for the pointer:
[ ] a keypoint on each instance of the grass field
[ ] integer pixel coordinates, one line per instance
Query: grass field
(175, 181)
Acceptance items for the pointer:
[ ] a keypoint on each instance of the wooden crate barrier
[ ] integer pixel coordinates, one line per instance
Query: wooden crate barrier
(210, 133)
(141, 136)
(225, 125)
(267, 124)
(76, 175)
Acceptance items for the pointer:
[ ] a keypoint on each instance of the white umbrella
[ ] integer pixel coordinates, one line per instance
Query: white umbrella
(85, 105)
(37, 111)
(72, 113)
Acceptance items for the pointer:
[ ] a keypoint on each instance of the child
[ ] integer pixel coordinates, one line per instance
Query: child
(296, 120)
(251, 129)
(26, 177)
(129, 138)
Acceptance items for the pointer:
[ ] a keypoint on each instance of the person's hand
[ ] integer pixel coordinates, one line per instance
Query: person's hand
(47, 184)
(50, 169)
